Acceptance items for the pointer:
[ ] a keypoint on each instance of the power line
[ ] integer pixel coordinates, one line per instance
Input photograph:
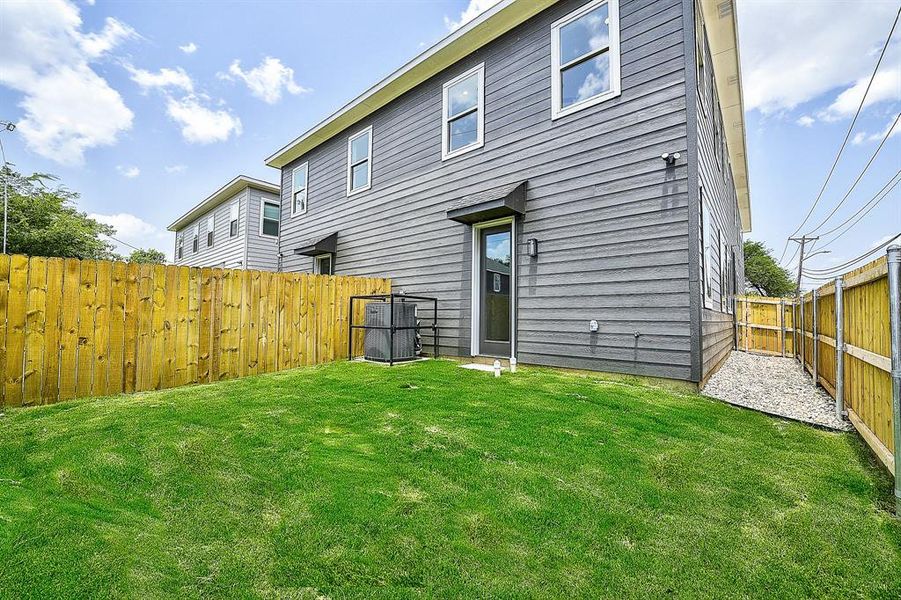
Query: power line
(875, 200)
(121, 242)
(857, 220)
(838, 268)
(847, 135)
(859, 177)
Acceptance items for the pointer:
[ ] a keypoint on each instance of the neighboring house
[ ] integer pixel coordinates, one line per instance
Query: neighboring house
(236, 227)
(533, 138)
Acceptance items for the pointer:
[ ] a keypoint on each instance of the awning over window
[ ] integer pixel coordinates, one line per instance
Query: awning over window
(327, 245)
(492, 204)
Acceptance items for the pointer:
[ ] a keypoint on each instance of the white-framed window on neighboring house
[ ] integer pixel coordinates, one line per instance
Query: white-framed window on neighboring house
(324, 264)
(359, 161)
(585, 60)
(233, 211)
(463, 113)
(210, 230)
(195, 238)
(180, 245)
(701, 51)
(270, 215)
(299, 177)
(730, 258)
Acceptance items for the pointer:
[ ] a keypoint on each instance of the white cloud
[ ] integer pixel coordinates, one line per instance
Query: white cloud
(45, 56)
(200, 124)
(817, 47)
(129, 172)
(886, 87)
(267, 80)
(189, 48)
(891, 129)
(472, 10)
(162, 79)
(136, 231)
(176, 168)
(805, 121)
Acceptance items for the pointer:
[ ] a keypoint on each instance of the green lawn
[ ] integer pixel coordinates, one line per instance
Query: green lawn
(354, 480)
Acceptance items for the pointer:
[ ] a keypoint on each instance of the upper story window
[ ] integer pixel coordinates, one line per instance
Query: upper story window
(359, 161)
(210, 229)
(585, 57)
(180, 245)
(195, 238)
(299, 189)
(701, 58)
(270, 214)
(463, 118)
(233, 219)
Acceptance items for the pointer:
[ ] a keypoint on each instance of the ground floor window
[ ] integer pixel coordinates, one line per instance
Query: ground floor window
(324, 265)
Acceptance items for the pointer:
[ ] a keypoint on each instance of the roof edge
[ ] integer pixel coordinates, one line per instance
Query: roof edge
(225, 192)
(485, 28)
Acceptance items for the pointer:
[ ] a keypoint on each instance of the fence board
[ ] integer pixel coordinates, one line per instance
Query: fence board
(867, 346)
(90, 328)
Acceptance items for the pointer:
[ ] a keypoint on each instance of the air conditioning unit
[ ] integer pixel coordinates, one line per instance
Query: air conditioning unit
(377, 342)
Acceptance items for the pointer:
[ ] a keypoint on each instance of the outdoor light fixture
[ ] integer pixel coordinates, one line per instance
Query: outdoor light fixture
(533, 247)
(670, 159)
(10, 126)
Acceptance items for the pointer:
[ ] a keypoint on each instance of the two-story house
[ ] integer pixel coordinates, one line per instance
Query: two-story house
(584, 159)
(236, 227)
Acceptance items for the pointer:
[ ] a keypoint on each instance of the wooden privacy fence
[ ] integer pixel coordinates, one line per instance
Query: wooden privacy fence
(71, 328)
(859, 301)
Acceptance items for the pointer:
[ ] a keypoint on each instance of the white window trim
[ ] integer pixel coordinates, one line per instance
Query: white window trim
(557, 110)
(706, 224)
(480, 107)
(263, 202)
(475, 331)
(234, 207)
(317, 270)
(306, 191)
(701, 59)
(351, 192)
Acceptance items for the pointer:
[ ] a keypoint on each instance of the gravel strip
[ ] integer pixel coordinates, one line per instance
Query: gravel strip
(773, 385)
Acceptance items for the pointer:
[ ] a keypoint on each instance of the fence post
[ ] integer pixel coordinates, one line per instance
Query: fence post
(894, 300)
(747, 324)
(816, 353)
(782, 325)
(802, 334)
(794, 329)
(839, 349)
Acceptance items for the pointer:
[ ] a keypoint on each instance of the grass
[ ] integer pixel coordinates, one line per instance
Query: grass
(352, 480)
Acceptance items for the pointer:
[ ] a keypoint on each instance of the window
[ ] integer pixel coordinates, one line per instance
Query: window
(463, 119)
(724, 274)
(585, 57)
(210, 229)
(359, 161)
(195, 238)
(702, 244)
(299, 189)
(717, 131)
(700, 49)
(270, 213)
(180, 245)
(323, 265)
(233, 219)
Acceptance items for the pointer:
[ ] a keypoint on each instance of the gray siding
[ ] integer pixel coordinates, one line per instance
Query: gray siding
(246, 250)
(721, 204)
(262, 250)
(611, 219)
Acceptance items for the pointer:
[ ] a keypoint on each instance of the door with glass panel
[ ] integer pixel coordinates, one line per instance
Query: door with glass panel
(495, 270)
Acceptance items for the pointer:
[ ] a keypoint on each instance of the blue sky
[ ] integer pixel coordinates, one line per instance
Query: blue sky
(147, 107)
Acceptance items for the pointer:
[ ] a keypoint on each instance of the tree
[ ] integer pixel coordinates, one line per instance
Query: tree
(148, 256)
(764, 274)
(43, 221)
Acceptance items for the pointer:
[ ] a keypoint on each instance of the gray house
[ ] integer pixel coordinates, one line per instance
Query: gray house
(593, 148)
(236, 227)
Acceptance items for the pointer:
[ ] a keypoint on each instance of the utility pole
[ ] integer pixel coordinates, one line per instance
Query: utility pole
(803, 241)
(8, 126)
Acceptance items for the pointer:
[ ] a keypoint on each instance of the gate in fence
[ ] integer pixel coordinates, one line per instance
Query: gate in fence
(845, 334)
